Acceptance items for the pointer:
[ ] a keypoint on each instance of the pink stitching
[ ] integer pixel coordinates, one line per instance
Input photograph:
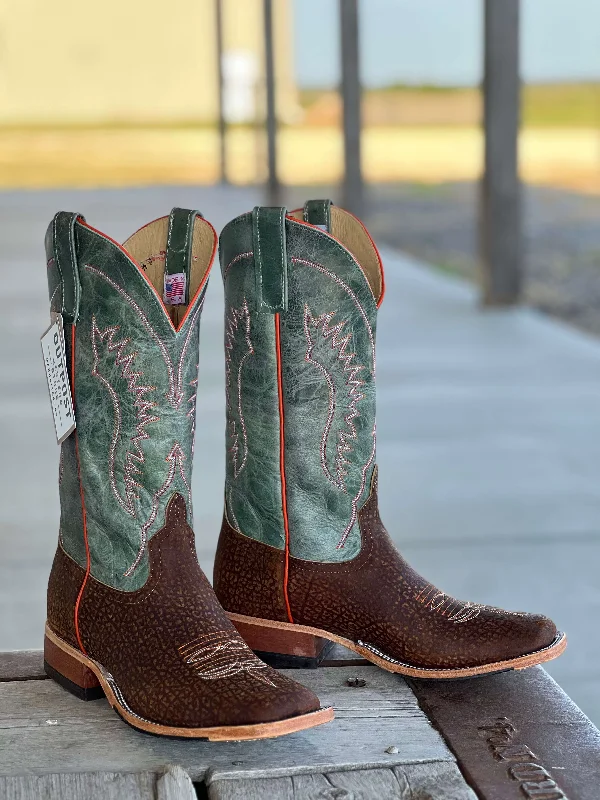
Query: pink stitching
(175, 394)
(178, 391)
(455, 611)
(355, 499)
(350, 293)
(133, 457)
(235, 260)
(144, 320)
(191, 414)
(222, 655)
(175, 459)
(339, 343)
(231, 326)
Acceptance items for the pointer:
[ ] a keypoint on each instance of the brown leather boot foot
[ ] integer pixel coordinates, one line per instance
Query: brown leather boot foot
(166, 656)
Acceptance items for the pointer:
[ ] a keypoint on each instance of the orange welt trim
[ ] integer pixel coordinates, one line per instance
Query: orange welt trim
(286, 523)
(84, 517)
(147, 279)
(378, 301)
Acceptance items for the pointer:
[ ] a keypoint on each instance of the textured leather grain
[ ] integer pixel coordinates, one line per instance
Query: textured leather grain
(376, 598)
(174, 655)
(134, 378)
(327, 362)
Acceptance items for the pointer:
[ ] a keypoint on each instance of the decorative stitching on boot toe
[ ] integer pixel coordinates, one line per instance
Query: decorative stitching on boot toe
(456, 611)
(221, 655)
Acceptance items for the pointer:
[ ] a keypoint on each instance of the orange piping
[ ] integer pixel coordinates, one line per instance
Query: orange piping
(84, 516)
(379, 301)
(147, 279)
(286, 523)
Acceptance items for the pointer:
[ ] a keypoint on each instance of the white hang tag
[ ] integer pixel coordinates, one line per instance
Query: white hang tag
(57, 375)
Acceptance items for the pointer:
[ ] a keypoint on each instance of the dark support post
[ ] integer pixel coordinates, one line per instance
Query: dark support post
(353, 193)
(501, 235)
(273, 185)
(222, 123)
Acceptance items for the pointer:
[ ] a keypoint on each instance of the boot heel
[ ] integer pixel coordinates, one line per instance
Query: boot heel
(282, 648)
(70, 673)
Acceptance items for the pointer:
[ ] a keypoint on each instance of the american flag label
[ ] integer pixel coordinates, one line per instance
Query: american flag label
(175, 289)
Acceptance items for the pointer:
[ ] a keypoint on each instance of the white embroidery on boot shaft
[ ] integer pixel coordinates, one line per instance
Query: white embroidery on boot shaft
(232, 324)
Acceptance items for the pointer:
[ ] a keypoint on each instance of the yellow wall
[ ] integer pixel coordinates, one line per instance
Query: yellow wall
(131, 61)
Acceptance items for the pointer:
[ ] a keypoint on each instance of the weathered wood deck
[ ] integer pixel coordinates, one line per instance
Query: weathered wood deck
(489, 446)
(497, 738)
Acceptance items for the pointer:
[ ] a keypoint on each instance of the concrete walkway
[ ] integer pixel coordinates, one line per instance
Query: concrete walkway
(488, 431)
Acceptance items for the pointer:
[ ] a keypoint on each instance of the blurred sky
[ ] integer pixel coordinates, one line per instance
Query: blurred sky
(440, 41)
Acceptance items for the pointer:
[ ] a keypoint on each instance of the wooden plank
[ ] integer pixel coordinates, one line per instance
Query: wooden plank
(81, 786)
(21, 665)
(432, 781)
(44, 729)
(173, 784)
(501, 245)
(516, 734)
(353, 193)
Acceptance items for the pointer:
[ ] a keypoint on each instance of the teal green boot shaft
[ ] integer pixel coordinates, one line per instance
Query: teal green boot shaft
(300, 327)
(131, 316)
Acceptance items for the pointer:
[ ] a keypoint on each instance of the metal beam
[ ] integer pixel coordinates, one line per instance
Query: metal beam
(500, 222)
(353, 188)
(273, 185)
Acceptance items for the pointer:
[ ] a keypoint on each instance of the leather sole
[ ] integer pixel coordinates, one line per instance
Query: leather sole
(290, 639)
(88, 680)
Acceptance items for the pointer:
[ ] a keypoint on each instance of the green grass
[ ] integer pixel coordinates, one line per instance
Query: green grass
(556, 105)
(543, 105)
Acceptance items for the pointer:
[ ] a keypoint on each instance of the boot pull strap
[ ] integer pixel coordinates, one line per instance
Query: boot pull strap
(318, 212)
(60, 249)
(270, 258)
(178, 259)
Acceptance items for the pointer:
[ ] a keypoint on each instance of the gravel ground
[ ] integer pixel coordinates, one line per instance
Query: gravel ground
(562, 240)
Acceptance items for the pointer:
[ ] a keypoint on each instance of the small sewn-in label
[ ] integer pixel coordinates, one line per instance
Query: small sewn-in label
(175, 289)
(57, 375)
(323, 228)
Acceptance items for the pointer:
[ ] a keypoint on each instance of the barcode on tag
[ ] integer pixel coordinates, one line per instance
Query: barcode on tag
(57, 375)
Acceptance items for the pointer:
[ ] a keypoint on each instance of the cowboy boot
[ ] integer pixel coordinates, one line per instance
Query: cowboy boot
(303, 557)
(130, 613)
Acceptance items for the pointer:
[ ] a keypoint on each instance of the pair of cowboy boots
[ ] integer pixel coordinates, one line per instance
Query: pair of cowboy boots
(303, 558)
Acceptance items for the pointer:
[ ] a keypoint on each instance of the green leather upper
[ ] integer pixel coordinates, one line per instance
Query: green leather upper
(135, 382)
(327, 363)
